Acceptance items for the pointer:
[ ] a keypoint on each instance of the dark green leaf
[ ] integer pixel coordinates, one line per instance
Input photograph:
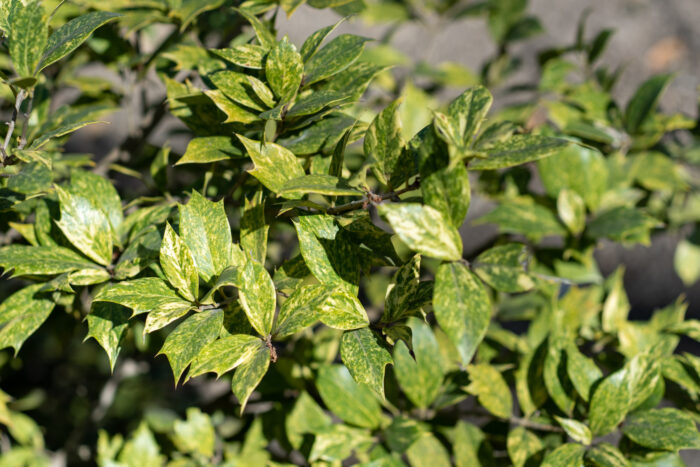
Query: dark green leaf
(28, 34)
(643, 103)
(333, 58)
(364, 353)
(107, 323)
(27, 260)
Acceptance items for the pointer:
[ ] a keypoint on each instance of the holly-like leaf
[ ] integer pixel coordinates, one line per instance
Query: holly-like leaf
(503, 268)
(28, 35)
(384, 143)
(318, 183)
(190, 337)
(26, 260)
(333, 58)
(364, 353)
(21, 314)
(284, 69)
(85, 226)
(421, 378)
(205, 230)
(314, 41)
(274, 164)
(353, 403)
(249, 374)
(147, 295)
(70, 35)
(666, 429)
(254, 227)
(225, 354)
(423, 229)
(517, 150)
(257, 296)
(300, 310)
(462, 308)
(178, 265)
(107, 323)
(487, 383)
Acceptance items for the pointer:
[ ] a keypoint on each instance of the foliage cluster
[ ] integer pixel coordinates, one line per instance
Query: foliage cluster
(306, 246)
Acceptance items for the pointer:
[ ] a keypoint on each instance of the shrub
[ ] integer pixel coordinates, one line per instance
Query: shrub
(306, 246)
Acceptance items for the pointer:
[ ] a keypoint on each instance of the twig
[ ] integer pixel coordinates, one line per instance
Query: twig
(25, 125)
(535, 425)
(372, 198)
(11, 124)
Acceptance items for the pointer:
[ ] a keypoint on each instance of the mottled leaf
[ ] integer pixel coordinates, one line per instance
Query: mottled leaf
(487, 383)
(205, 229)
(606, 455)
(348, 400)
(333, 58)
(582, 371)
(70, 35)
(21, 314)
(190, 337)
(338, 442)
(274, 165)
(223, 355)
(666, 429)
(284, 69)
(384, 143)
(26, 260)
(244, 55)
(248, 375)
(517, 150)
(504, 268)
(428, 450)
(254, 228)
(522, 445)
(257, 296)
(364, 353)
(576, 430)
(195, 434)
(566, 455)
(107, 323)
(462, 308)
(208, 149)
(423, 229)
(313, 42)
(28, 35)
(178, 265)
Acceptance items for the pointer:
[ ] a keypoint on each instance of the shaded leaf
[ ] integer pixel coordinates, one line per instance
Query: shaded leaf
(322, 184)
(517, 150)
(487, 383)
(384, 142)
(21, 314)
(348, 400)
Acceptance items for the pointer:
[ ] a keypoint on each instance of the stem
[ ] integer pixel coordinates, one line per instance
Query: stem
(362, 204)
(11, 124)
(25, 124)
(535, 425)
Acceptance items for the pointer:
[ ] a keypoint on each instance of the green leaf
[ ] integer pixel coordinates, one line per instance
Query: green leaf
(70, 35)
(59, 132)
(85, 226)
(27, 260)
(208, 149)
(487, 383)
(462, 308)
(606, 455)
(338, 442)
(300, 310)
(223, 355)
(274, 164)
(617, 306)
(327, 251)
(364, 353)
(447, 190)
(284, 69)
(423, 229)
(249, 374)
(566, 455)
(582, 371)
(643, 103)
(28, 34)
(609, 402)
(348, 400)
(264, 35)
(196, 434)
(468, 111)
(107, 323)
(403, 432)
(333, 58)
(523, 216)
(147, 295)
(503, 268)
(517, 150)
(102, 194)
(384, 143)
(140, 253)
(421, 379)
(622, 224)
(342, 310)
(313, 42)
(322, 136)
(572, 211)
(558, 385)
(178, 265)
(470, 446)
(307, 417)
(205, 229)
(237, 87)
(254, 227)
(428, 450)
(190, 337)
(244, 55)
(523, 445)
(319, 183)
(257, 296)
(317, 101)
(141, 449)
(401, 294)
(576, 430)
(235, 113)
(666, 429)
(21, 314)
